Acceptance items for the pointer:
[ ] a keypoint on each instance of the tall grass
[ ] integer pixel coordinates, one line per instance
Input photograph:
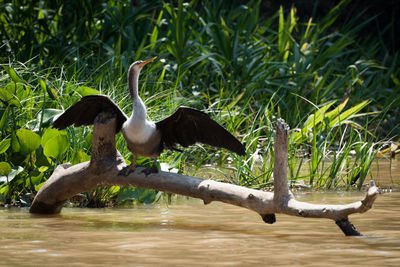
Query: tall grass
(242, 69)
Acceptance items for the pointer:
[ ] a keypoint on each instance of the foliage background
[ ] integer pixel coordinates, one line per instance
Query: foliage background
(330, 70)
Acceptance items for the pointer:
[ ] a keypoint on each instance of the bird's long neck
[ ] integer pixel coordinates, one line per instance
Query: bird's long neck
(133, 82)
(139, 109)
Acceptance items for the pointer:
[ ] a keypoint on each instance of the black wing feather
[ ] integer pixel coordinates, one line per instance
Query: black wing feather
(85, 111)
(187, 126)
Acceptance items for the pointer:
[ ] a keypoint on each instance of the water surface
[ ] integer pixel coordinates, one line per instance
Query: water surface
(188, 233)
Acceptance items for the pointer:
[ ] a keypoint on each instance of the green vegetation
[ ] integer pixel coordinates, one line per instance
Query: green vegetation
(338, 92)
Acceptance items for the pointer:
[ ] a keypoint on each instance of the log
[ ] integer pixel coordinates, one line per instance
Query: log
(106, 163)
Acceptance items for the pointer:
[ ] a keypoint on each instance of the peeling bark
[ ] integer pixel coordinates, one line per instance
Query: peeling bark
(106, 162)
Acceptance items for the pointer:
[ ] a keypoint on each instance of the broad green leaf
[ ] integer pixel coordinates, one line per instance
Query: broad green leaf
(56, 146)
(4, 145)
(43, 168)
(5, 168)
(318, 116)
(3, 119)
(348, 113)
(50, 133)
(85, 90)
(35, 180)
(6, 96)
(21, 93)
(312, 121)
(54, 143)
(28, 140)
(13, 74)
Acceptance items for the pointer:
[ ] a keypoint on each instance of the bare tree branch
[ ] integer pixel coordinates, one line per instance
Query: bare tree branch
(106, 162)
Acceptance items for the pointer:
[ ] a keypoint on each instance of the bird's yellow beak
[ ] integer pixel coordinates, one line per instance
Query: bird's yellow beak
(147, 61)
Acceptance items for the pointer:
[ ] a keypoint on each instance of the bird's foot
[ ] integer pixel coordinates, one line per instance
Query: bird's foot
(127, 170)
(152, 169)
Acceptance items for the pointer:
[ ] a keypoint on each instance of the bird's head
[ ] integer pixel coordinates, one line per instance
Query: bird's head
(138, 65)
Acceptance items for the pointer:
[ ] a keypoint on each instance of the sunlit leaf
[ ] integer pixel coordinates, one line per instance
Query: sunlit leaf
(85, 90)
(318, 116)
(235, 101)
(37, 187)
(50, 133)
(7, 97)
(3, 119)
(312, 121)
(54, 143)
(348, 113)
(5, 168)
(56, 146)
(35, 179)
(22, 93)
(4, 187)
(332, 114)
(4, 145)
(28, 140)
(42, 85)
(43, 168)
(52, 93)
(113, 189)
(13, 74)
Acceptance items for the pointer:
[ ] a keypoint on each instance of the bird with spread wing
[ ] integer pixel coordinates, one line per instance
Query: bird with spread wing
(186, 126)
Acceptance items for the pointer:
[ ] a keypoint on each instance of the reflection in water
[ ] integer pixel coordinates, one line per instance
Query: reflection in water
(386, 173)
(190, 233)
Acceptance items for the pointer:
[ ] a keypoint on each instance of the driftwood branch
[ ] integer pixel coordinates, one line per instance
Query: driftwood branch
(106, 162)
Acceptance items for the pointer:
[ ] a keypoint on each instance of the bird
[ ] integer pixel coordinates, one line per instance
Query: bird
(186, 126)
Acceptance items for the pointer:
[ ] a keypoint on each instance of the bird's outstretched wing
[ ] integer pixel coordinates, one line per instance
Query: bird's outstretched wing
(188, 126)
(85, 111)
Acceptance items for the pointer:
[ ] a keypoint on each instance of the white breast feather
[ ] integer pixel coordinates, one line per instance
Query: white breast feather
(139, 132)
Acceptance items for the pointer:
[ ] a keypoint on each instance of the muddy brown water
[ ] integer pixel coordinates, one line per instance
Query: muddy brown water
(188, 233)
